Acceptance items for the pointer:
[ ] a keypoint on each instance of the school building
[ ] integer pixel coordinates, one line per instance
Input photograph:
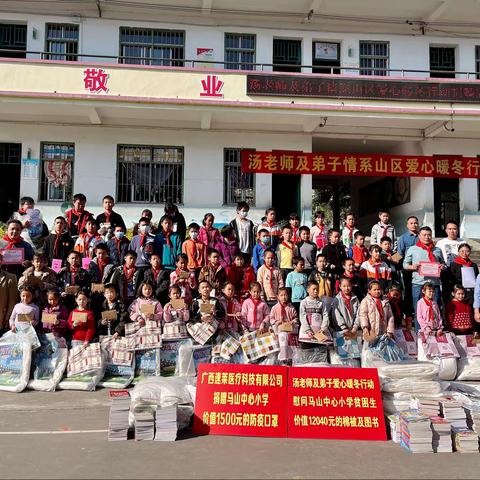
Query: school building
(150, 101)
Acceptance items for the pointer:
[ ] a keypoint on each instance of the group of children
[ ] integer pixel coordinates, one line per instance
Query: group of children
(304, 284)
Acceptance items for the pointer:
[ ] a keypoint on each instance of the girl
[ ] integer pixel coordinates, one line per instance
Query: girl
(375, 269)
(284, 319)
(54, 307)
(114, 326)
(175, 319)
(376, 317)
(83, 328)
(184, 279)
(168, 243)
(255, 312)
(455, 269)
(318, 232)
(213, 272)
(208, 234)
(459, 313)
(297, 281)
(145, 297)
(323, 277)
(241, 276)
(429, 318)
(270, 279)
(232, 309)
(394, 296)
(194, 249)
(29, 312)
(344, 310)
(227, 246)
(159, 277)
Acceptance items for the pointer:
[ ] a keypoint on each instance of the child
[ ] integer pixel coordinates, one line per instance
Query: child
(294, 222)
(394, 296)
(255, 312)
(77, 216)
(233, 310)
(56, 308)
(348, 231)
(382, 229)
(454, 272)
(273, 229)
(175, 319)
(184, 279)
(143, 243)
(270, 279)
(227, 246)
(158, 277)
(285, 252)
(127, 278)
(297, 281)
(59, 243)
(118, 246)
(244, 230)
(39, 277)
(334, 252)
(167, 243)
(459, 313)
(194, 249)
(260, 248)
(358, 252)
(109, 219)
(319, 231)
(34, 228)
(213, 272)
(111, 301)
(208, 234)
(25, 307)
(86, 242)
(100, 268)
(307, 249)
(323, 278)
(217, 312)
(147, 214)
(283, 314)
(344, 310)
(73, 275)
(241, 276)
(376, 317)
(375, 269)
(145, 297)
(83, 331)
(353, 277)
(386, 256)
(428, 318)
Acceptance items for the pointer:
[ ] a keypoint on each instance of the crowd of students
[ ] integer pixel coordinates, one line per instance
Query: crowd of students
(301, 282)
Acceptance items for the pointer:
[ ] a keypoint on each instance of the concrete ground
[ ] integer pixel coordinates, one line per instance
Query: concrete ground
(62, 435)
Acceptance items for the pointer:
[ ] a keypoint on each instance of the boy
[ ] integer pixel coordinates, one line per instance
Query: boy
(213, 272)
(319, 231)
(307, 250)
(110, 219)
(244, 229)
(375, 269)
(100, 268)
(194, 249)
(334, 252)
(127, 278)
(382, 229)
(386, 256)
(323, 278)
(262, 245)
(87, 241)
(294, 222)
(285, 252)
(358, 252)
(159, 278)
(348, 231)
(142, 244)
(73, 275)
(112, 302)
(196, 314)
(77, 216)
(39, 277)
(273, 229)
(59, 243)
(35, 234)
(270, 279)
(354, 279)
(118, 245)
(297, 282)
(8, 295)
(241, 276)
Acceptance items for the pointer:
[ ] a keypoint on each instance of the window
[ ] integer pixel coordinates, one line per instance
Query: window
(237, 186)
(239, 51)
(374, 58)
(442, 61)
(477, 61)
(57, 167)
(325, 56)
(150, 174)
(143, 46)
(13, 37)
(287, 55)
(61, 42)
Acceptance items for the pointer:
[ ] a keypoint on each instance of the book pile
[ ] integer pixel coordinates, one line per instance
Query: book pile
(144, 417)
(416, 432)
(442, 435)
(394, 423)
(429, 406)
(166, 424)
(118, 419)
(473, 418)
(465, 440)
(453, 411)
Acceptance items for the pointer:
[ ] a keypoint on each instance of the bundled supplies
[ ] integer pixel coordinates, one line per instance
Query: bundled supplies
(407, 341)
(256, 346)
(440, 350)
(468, 367)
(166, 424)
(118, 419)
(143, 338)
(464, 440)
(119, 362)
(201, 332)
(442, 435)
(190, 356)
(416, 434)
(454, 412)
(144, 418)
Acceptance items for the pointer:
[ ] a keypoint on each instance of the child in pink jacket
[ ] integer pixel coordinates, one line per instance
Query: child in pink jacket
(255, 312)
(429, 317)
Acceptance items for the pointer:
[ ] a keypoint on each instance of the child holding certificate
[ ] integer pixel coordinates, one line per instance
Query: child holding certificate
(54, 315)
(146, 306)
(81, 321)
(25, 312)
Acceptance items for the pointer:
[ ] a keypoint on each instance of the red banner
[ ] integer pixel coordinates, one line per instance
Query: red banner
(360, 164)
(246, 400)
(335, 403)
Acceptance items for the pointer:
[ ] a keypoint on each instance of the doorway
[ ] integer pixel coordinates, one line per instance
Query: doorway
(286, 195)
(10, 154)
(446, 203)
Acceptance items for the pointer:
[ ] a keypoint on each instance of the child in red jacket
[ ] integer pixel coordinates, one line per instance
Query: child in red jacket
(241, 276)
(459, 313)
(81, 321)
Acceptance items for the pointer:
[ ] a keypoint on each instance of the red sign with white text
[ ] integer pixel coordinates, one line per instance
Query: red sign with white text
(335, 403)
(246, 400)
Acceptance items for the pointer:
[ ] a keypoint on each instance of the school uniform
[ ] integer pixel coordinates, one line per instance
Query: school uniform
(117, 325)
(160, 280)
(380, 230)
(76, 221)
(347, 236)
(86, 243)
(112, 218)
(57, 246)
(285, 253)
(117, 249)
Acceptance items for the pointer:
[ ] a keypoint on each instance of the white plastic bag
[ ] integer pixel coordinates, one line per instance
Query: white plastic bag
(447, 366)
(310, 355)
(25, 333)
(336, 359)
(190, 356)
(15, 361)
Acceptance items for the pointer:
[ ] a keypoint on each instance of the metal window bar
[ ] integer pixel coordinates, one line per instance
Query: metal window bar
(442, 59)
(61, 42)
(60, 152)
(240, 51)
(477, 64)
(237, 185)
(150, 174)
(13, 36)
(374, 57)
(10, 153)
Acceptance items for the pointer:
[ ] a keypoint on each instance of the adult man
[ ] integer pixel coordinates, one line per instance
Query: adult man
(110, 219)
(77, 216)
(449, 246)
(12, 240)
(8, 295)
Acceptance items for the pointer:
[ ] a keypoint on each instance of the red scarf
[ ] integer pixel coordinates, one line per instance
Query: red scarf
(101, 266)
(379, 305)
(464, 262)
(119, 243)
(143, 239)
(73, 273)
(385, 230)
(431, 315)
(350, 233)
(129, 273)
(107, 216)
(86, 243)
(255, 305)
(82, 218)
(12, 241)
(156, 271)
(395, 303)
(283, 312)
(56, 244)
(271, 276)
(295, 236)
(285, 244)
(429, 249)
(376, 266)
(348, 303)
(167, 237)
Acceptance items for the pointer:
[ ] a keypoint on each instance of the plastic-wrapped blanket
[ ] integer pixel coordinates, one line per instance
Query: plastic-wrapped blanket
(169, 356)
(410, 385)
(15, 360)
(468, 366)
(387, 349)
(25, 333)
(407, 341)
(411, 369)
(396, 402)
(309, 356)
(336, 359)
(147, 363)
(119, 363)
(190, 356)
(49, 364)
(447, 366)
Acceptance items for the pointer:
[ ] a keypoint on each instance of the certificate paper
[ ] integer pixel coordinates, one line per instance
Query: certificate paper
(468, 277)
(429, 269)
(13, 256)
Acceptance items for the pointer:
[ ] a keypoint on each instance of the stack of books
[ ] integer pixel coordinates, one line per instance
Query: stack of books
(429, 406)
(416, 434)
(144, 417)
(118, 419)
(166, 424)
(473, 418)
(442, 435)
(453, 411)
(465, 440)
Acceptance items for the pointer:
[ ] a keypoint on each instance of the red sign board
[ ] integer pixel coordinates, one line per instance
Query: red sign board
(335, 403)
(360, 164)
(246, 400)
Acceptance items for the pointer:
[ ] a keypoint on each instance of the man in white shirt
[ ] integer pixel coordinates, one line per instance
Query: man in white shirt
(449, 245)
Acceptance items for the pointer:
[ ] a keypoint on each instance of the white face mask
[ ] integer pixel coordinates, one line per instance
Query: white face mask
(193, 235)
(145, 228)
(243, 213)
(119, 234)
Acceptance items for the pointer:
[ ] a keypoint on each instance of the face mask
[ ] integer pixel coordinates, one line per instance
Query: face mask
(243, 213)
(119, 234)
(193, 235)
(265, 240)
(145, 228)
